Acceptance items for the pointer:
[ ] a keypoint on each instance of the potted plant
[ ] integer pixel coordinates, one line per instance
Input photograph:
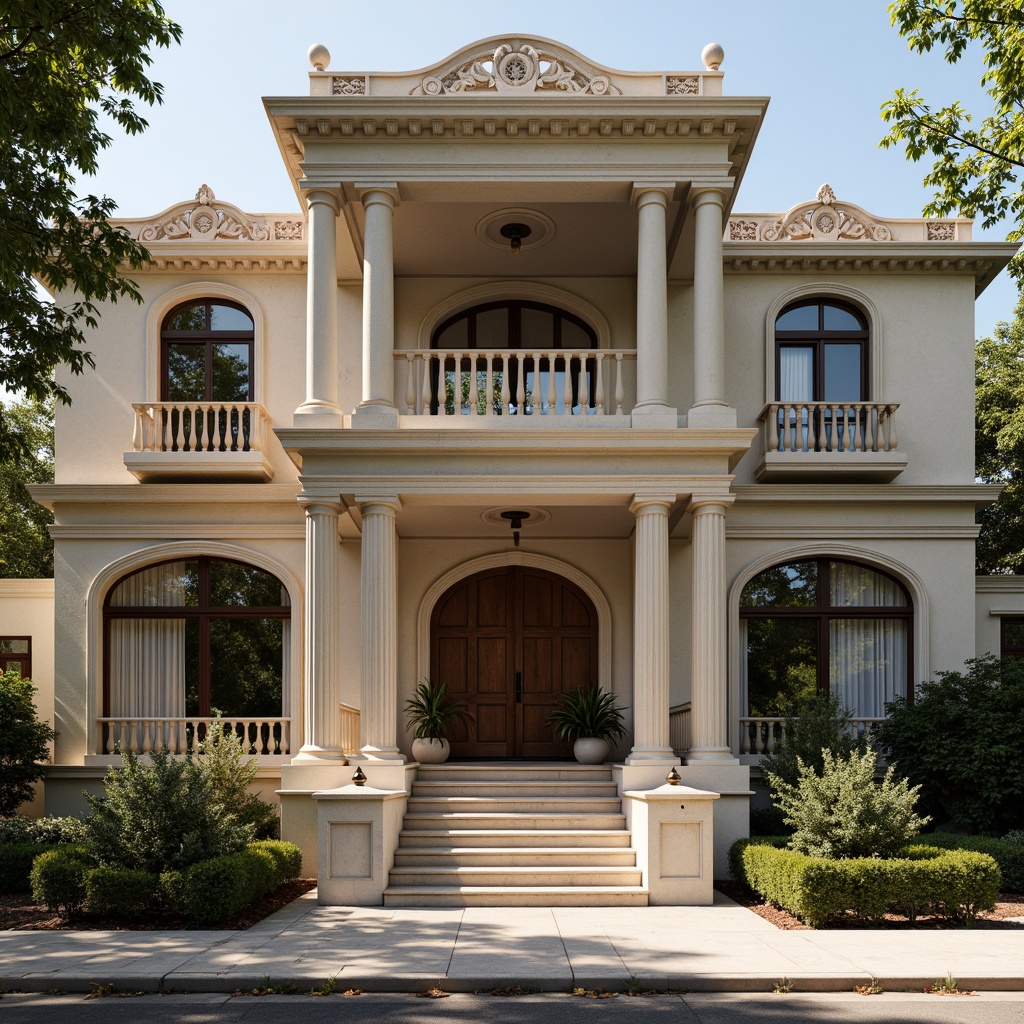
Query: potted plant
(431, 713)
(592, 718)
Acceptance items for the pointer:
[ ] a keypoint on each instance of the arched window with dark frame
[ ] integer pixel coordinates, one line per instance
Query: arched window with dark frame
(536, 329)
(822, 356)
(824, 625)
(206, 371)
(196, 636)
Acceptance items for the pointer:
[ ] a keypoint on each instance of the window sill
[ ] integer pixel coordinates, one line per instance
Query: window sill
(835, 467)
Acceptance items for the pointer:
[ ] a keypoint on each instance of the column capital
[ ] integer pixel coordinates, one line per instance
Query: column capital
(652, 503)
(379, 504)
(320, 196)
(702, 193)
(645, 192)
(707, 503)
(379, 192)
(313, 505)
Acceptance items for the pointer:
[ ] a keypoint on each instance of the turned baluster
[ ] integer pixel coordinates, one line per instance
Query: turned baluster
(552, 390)
(599, 384)
(410, 384)
(620, 385)
(503, 408)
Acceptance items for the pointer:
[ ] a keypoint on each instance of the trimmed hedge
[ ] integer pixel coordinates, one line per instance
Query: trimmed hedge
(124, 892)
(58, 879)
(213, 889)
(736, 867)
(954, 884)
(1008, 854)
(49, 831)
(16, 865)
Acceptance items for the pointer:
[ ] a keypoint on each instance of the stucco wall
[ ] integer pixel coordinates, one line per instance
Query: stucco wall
(997, 597)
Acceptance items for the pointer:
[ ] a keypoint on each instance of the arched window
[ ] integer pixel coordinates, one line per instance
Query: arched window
(534, 328)
(195, 636)
(206, 353)
(821, 353)
(824, 625)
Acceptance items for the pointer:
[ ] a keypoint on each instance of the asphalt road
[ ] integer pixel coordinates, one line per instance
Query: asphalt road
(732, 1008)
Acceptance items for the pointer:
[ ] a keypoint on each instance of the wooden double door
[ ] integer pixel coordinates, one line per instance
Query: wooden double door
(508, 641)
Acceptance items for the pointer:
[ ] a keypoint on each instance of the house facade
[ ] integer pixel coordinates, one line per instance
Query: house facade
(518, 403)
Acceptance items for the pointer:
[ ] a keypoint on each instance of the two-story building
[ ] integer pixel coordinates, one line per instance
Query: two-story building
(517, 403)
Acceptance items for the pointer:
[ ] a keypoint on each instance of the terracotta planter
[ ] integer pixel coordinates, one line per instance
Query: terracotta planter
(590, 750)
(430, 751)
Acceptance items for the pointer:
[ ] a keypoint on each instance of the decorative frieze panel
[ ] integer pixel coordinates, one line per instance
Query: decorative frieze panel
(206, 220)
(346, 85)
(825, 219)
(517, 69)
(688, 85)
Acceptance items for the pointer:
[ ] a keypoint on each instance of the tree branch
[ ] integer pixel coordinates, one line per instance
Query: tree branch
(931, 127)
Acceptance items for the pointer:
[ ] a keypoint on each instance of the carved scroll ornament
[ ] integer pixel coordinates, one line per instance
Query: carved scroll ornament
(205, 220)
(822, 220)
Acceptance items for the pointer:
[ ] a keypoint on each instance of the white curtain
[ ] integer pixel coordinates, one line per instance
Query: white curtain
(867, 663)
(147, 656)
(796, 374)
(856, 586)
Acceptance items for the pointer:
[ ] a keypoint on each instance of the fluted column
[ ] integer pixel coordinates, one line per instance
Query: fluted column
(321, 309)
(652, 306)
(651, 631)
(710, 704)
(322, 662)
(378, 401)
(379, 710)
(710, 408)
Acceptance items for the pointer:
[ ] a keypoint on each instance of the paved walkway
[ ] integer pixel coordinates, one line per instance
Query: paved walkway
(719, 948)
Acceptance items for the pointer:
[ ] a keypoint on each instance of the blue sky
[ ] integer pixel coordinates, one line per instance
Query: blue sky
(827, 66)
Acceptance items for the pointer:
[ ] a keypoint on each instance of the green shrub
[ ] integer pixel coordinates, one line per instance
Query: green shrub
(1015, 836)
(815, 725)
(211, 890)
(16, 865)
(123, 892)
(736, 861)
(954, 884)
(1006, 853)
(24, 743)
(49, 831)
(959, 741)
(231, 773)
(161, 816)
(58, 880)
(843, 812)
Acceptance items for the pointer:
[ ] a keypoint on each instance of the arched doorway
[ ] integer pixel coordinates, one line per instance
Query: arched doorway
(508, 641)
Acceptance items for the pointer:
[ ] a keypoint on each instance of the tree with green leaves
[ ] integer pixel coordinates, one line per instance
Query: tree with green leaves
(26, 549)
(24, 742)
(977, 163)
(999, 445)
(64, 64)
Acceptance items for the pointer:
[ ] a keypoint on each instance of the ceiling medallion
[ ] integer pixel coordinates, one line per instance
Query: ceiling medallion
(531, 228)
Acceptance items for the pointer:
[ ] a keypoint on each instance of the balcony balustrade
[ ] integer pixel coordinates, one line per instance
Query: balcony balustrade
(476, 387)
(760, 735)
(263, 737)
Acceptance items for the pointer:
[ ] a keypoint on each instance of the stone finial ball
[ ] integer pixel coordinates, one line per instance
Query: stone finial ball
(712, 55)
(319, 56)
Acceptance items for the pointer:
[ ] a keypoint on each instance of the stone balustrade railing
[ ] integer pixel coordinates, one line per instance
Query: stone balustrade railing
(200, 427)
(679, 731)
(829, 427)
(486, 383)
(259, 736)
(349, 729)
(760, 735)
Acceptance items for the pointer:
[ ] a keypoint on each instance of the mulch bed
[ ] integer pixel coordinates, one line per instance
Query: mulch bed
(1010, 905)
(19, 913)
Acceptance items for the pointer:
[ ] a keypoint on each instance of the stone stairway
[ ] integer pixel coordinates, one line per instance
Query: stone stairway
(516, 835)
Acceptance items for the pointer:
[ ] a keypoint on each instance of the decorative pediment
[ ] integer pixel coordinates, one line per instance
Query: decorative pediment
(822, 220)
(515, 67)
(204, 219)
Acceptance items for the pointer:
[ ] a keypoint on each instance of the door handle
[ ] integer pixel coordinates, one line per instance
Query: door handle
(519, 687)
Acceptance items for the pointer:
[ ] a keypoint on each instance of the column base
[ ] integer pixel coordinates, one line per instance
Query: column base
(374, 417)
(319, 755)
(654, 417)
(711, 755)
(318, 414)
(712, 416)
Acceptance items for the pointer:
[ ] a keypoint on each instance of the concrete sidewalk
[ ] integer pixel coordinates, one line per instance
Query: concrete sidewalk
(719, 948)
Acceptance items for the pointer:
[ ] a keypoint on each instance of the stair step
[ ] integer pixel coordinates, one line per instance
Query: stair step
(475, 788)
(516, 875)
(515, 896)
(524, 772)
(524, 803)
(510, 839)
(467, 820)
(523, 856)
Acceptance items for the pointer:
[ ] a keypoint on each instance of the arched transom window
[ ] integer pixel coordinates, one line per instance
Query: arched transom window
(206, 353)
(824, 625)
(196, 636)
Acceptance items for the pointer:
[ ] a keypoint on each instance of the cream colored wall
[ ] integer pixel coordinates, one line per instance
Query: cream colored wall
(95, 431)
(87, 567)
(26, 609)
(924, 339)
(997, 597)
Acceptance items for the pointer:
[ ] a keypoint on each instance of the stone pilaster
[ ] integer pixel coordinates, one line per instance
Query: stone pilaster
(652, 408)
(377, 407)
(321, 312)
(710, 705)
(322, 679)
(651, 631)
(378, 715)
(710, 408)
